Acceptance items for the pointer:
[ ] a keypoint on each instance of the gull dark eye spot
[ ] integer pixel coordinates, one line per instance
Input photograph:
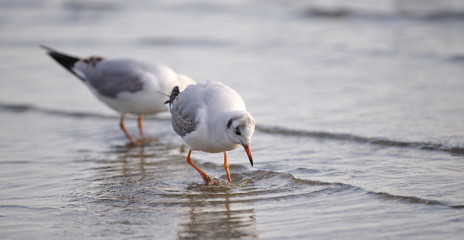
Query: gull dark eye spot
(237, 131)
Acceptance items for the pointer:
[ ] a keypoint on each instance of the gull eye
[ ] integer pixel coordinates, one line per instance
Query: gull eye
(237, 131)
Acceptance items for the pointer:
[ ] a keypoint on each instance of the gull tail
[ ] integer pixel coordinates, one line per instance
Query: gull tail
(174, 93)
(64, 60)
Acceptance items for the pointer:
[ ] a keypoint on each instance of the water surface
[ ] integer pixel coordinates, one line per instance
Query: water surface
(360, 118)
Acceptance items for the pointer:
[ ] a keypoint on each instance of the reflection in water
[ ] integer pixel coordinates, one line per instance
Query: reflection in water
(216, 219)
(141, 182)
(132, 159)
(126, 159)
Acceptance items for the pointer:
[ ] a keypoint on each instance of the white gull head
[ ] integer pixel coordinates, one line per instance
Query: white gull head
(239, 130)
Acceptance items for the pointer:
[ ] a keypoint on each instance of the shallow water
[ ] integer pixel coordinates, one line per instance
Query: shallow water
(360, 118)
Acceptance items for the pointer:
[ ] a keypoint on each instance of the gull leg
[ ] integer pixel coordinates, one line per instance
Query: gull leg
(226, 167)
(140, 124)
(207, 179)
(123, 128)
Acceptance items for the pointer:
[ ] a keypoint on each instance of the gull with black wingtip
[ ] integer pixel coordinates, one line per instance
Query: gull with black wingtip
(125, 85)
(211, 117)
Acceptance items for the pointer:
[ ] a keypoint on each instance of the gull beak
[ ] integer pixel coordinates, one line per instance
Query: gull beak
(248, 152)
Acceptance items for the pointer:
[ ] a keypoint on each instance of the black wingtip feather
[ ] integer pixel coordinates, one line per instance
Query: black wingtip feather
(64, 60)
(174, 93)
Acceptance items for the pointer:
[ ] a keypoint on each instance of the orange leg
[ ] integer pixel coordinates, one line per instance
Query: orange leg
(207, 179)
(123, 128)
(140, 122)
(226, 167)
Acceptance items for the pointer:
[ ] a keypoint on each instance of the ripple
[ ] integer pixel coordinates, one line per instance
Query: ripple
(249, 186)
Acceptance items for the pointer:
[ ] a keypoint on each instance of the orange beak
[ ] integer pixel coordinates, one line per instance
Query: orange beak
(248, 152)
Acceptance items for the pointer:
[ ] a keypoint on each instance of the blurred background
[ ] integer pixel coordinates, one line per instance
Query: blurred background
(349, 65)
(359, 108)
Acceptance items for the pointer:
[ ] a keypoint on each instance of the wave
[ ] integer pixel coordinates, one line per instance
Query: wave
(253, 186)
(360, 139)
(437, 12)
(345, 13)
(11, 107)
(413, 199)
(276, 130)
(14, 107)
(333, 187)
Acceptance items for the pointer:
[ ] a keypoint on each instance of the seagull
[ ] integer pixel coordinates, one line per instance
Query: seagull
(212, 118)
(125, 85)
